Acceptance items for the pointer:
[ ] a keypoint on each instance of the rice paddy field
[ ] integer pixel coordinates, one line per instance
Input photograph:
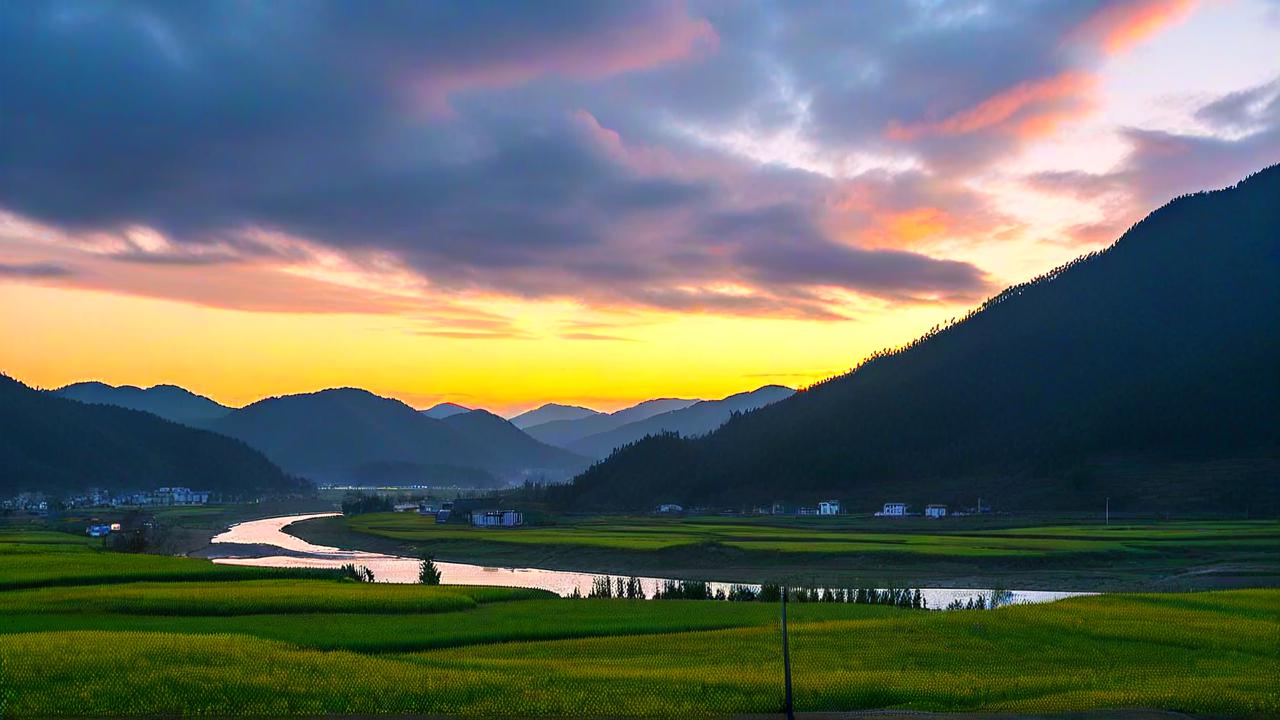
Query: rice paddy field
(955, 551)
(189, 640)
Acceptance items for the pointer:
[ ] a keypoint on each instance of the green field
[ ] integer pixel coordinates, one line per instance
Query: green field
(959, 552)
(198, 642)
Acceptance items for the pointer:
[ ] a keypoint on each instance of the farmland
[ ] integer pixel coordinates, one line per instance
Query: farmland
(195, 641)
(957, 552)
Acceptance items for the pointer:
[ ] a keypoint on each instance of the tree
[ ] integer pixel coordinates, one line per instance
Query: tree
(358, 573)
(428, 573)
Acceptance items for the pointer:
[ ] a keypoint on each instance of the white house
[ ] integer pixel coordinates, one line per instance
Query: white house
(179, 496)
(670, 508)
(496, 518)
(893, 510)
(935, 511)
(829, 507)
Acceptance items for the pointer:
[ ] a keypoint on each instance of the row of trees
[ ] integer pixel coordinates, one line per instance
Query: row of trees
(361, 503)
(633, 589)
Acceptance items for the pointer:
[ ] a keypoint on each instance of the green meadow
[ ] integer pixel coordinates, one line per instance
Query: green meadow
(847, 550)
(187, 639)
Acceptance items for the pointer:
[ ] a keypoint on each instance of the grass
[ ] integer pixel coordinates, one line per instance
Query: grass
(837, 535)
(310, 645)
(30, 559)
(848, 550)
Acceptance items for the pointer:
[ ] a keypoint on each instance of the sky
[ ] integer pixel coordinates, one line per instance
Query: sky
(502, 204)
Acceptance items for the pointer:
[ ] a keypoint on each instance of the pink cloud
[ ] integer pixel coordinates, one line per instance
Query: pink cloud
(1118, 27)
(671, 36)
(1026, 110)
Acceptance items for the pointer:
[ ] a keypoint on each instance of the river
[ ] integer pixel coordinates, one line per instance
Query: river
(264, 543)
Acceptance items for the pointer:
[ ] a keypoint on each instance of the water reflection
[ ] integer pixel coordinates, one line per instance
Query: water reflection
(270, 540)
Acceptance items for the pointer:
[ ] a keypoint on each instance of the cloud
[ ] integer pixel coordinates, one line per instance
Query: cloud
(1161, 165)
(594, 336)
(1247, 110)
(35, 270)
(310, 155)
(1116, 27)
(1027, 109)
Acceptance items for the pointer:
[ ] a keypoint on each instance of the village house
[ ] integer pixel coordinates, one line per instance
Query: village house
(670, 508)
(829, 507)
(806, 511)
(165, 496)
(894, 509)
(935, 511)
(496, 518)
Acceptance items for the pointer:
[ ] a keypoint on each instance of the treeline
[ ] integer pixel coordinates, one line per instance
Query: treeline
(1126, 373)
(633, 589)
(361, 503)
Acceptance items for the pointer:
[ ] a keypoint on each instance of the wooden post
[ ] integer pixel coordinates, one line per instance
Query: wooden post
(786, 660)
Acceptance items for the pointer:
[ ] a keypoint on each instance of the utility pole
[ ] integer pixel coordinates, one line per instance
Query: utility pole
(786, 660)
(1108, 516)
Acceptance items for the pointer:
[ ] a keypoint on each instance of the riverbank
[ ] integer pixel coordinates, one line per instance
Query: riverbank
(1155, 557)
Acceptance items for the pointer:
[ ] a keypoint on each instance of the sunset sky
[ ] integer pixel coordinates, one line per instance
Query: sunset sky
(502, 204)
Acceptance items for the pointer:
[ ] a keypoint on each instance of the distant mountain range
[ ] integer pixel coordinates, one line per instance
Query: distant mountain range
(563, 433)
(340, 434)
(168, 401)
(699, 418)
(552, 412)
(1148, 373)
(55, 444)
(347, 435)
(444, 410)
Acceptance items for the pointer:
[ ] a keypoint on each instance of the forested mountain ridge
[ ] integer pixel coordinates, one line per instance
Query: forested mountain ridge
(168, 401)
(506, 444)
(53, 444)
(1148, 372)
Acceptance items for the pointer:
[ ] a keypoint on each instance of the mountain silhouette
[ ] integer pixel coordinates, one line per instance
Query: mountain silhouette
(344, 434)
(551, 412)
(443, 410)
(168, 401)
(699, 418)
(508, 445)
(55, 444)
(1147, 373)
(563, 433)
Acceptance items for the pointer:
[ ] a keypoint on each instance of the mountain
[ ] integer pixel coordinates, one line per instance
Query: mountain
(563, 433)
(508, 445)
(551, 412)
(443, 410)
(168, 401)
(1147, 373)
(699, 418)
(54, 444)
(351, 435)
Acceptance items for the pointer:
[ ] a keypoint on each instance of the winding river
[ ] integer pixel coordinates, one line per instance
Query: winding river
(264, 543)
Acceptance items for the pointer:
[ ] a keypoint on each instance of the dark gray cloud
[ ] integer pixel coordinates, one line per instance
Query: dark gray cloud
(34, 270)
(445, 135)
